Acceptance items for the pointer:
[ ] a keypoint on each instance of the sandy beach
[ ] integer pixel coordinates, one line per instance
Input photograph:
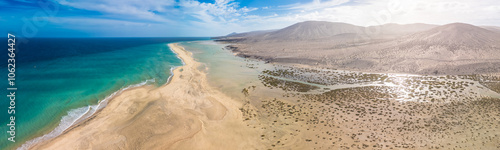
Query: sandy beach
(186, 113)
(313, 108)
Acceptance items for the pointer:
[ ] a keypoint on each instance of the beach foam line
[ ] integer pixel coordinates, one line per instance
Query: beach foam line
(78, 115)
(171, 74)
(173, 68)
(176, 55)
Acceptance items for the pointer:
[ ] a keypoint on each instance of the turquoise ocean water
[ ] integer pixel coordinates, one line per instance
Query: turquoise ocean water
(62, 81)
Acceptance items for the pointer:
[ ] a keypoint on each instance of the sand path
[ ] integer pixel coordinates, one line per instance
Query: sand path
(187, 113)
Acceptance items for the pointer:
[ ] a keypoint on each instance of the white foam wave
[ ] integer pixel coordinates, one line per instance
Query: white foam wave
(171, 74)
(177, 55)
(173, 68)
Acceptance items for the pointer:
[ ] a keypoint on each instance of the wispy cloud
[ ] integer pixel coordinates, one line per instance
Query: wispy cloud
(215, 18)
(365, 13)
(316, 4)
(89, 22)
(131, 9)
(220, 10)
(195, 18)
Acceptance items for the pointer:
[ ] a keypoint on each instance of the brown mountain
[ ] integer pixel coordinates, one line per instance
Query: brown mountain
(492, 28)
(456, 34)
(401, 29)
(455, 48)
(322, 30)
(310, 30)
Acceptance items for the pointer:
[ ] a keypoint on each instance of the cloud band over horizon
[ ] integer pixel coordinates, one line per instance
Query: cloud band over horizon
(172, 18)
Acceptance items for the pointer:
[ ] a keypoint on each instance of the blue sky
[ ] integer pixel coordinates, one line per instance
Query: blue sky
(172, 18)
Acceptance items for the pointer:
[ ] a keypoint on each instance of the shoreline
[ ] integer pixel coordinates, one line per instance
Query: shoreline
(188, 113)
(82, 118)
(141, 104)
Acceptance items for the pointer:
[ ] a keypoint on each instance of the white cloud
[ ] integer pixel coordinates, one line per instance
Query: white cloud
(365, 13)
(245, 9)
(449, 11)
(221, 10)
(134, 9)
(93, 22)
(226, 16)
(220, 17)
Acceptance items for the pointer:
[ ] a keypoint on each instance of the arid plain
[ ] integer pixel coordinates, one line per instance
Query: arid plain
(336, 86)
(281, 94)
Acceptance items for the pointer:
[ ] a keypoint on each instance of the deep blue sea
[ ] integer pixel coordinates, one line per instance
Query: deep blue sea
(60, 81)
